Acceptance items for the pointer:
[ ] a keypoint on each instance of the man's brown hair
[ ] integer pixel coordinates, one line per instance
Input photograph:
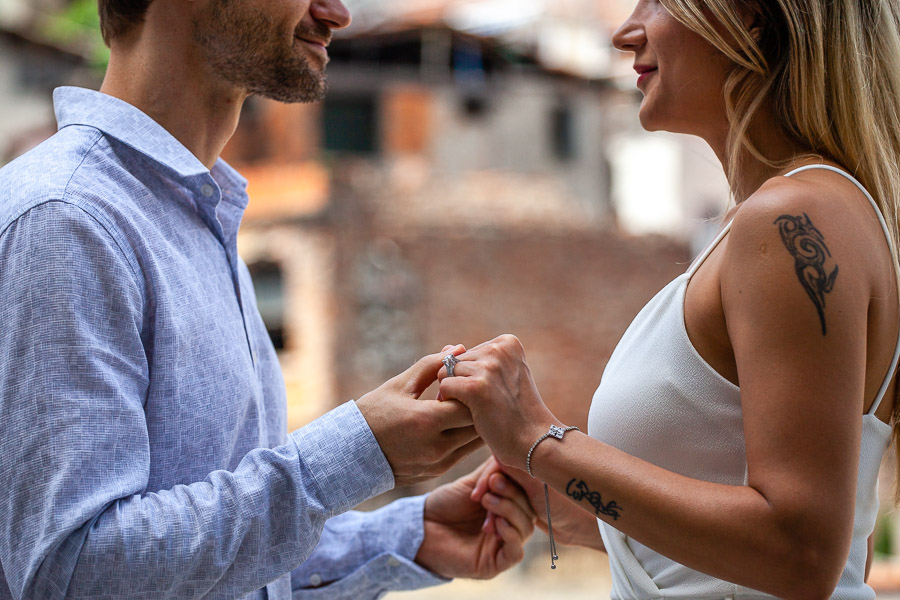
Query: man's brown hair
(117, 17)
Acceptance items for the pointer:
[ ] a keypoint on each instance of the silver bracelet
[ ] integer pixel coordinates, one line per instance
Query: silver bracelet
(555, 432)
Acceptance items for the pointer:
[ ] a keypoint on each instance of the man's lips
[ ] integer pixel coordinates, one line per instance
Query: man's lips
(314, 42)
(317, 44)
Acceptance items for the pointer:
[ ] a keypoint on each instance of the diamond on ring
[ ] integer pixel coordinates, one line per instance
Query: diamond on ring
(450, 361)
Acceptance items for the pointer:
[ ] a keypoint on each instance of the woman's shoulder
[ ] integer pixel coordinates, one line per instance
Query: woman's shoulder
(816, 202)
(815, 219)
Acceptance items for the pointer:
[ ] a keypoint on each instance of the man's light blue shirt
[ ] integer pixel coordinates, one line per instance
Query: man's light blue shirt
(143, 444)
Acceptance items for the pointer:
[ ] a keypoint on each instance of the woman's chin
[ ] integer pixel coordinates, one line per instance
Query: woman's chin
(654, 120)
(649, 122)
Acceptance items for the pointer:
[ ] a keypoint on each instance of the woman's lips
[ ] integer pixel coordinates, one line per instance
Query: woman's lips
(644, 72)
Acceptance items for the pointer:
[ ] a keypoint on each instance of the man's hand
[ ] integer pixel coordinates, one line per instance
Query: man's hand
(572, 525)
(458, 541)
(420, 438)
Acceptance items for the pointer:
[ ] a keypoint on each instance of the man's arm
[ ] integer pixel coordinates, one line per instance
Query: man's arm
(76, 517)
(362, 555)
(419, 542)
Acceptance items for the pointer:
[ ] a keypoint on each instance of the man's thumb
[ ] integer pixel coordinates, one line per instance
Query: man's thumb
(416, 379)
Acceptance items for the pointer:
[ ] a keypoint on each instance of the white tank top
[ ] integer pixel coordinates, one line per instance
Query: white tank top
(660, 401)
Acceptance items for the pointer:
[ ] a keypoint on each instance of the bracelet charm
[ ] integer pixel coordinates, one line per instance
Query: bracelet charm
(555, 432)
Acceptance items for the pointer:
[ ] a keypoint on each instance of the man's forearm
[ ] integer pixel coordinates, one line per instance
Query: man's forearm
(230, 534)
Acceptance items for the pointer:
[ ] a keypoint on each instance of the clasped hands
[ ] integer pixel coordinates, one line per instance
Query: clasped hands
(476, 526)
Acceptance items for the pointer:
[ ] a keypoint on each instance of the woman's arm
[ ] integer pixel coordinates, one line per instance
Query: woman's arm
(788, 531)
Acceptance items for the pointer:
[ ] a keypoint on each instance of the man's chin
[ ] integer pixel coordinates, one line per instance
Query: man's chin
(300, 94)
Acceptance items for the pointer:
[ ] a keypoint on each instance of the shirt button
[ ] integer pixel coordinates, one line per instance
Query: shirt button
(393, 562)
(315, 579)
(207, 190)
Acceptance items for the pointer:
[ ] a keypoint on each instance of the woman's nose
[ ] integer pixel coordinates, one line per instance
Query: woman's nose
(630, 36)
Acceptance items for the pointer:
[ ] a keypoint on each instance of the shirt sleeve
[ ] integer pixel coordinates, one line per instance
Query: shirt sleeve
(363, 556)
(76, 519)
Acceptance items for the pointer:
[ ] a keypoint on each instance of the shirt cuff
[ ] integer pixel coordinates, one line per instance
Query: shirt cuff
(385, 573)
(408, 517)
(341, 455)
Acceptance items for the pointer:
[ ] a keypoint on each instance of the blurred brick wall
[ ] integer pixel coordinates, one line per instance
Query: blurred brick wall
(569, 296)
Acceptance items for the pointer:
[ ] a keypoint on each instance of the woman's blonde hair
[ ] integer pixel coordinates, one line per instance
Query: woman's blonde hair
(830, 69)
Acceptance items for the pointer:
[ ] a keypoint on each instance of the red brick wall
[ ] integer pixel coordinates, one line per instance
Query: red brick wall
(568, 297)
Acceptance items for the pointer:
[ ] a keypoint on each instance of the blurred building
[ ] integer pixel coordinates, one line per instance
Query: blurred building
(32, 63)
(29, 70)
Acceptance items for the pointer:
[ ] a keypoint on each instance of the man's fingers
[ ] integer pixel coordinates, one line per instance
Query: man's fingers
(449, 414)
(461, 436)
(460, 453)
(416, 379)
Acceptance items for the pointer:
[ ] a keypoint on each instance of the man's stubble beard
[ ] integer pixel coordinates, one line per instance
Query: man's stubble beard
(247, 49)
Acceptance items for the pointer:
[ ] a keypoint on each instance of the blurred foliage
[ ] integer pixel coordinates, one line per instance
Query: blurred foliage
(884, 538)
(77, 27)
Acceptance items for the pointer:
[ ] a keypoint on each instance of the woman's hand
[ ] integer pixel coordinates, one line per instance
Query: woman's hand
(572, 526)
(494, 382)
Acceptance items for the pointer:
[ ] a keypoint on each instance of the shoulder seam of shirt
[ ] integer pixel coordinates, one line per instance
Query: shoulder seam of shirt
(96, 219)
(107, 227)
(86, 209)
(65, 188)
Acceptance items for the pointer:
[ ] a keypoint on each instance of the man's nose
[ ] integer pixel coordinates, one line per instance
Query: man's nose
(331, 12)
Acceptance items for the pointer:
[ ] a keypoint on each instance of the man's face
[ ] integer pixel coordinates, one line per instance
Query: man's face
(273, 48)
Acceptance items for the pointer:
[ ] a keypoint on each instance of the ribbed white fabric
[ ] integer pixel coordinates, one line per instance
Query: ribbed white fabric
(660, 401)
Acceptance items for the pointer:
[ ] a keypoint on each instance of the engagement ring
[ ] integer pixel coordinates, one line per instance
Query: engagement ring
(450, 361)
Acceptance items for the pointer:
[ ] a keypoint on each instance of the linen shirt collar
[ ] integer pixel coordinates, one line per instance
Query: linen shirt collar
(127, 124)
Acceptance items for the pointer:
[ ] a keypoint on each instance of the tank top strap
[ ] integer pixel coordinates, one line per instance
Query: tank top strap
(709, 250)
(890, 374)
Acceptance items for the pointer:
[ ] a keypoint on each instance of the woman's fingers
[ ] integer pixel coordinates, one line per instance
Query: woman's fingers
(488, 526)
(513, 549)
(490, 467)
(503, 486)
(511, 512)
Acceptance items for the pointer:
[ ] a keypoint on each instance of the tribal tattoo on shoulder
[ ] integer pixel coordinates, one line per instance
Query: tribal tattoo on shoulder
(807, 246)
(579, 491)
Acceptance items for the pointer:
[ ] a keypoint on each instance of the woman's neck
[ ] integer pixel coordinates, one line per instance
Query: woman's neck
(780, 152)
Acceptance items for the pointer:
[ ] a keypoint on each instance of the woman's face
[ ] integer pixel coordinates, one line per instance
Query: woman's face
(680, 74)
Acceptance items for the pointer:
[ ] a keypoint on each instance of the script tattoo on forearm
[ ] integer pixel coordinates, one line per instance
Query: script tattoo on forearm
(807, 246)
(579, 491)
